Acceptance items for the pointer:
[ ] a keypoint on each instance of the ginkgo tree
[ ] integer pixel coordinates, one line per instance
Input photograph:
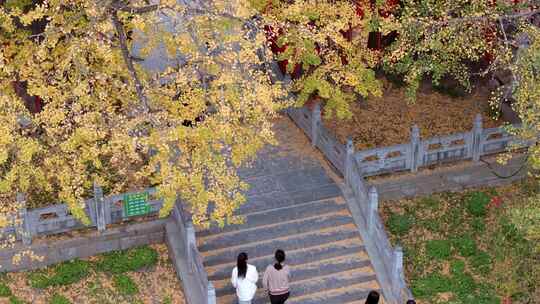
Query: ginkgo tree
(326, 40)
(441, 39)
(107, 120)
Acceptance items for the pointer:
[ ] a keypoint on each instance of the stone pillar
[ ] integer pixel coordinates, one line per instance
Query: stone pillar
(211, 293)
(349, 159)
(315, 123)
(397, 272)
(26, 229)
(99, 205)
(190, 241)
(415, 156)
(373, 206)
(477, 138)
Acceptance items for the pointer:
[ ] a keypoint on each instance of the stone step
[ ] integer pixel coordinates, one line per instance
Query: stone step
(306, 288)
(287, 213)
(276, 230)
(280, 199)
(301, 256)
(356, 293)
(310, 270)
(287, 243)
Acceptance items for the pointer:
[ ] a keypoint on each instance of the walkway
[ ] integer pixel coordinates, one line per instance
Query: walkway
(293, 205)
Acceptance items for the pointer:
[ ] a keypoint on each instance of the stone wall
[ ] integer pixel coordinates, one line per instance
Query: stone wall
(92, 243)
(456, 178)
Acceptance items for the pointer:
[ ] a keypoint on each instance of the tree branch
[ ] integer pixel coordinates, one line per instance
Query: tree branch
(138, 10)
(453, 21)
(129, 60)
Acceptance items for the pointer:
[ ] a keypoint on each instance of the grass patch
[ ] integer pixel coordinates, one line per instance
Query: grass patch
(63, 274)
(125, 285)
(399, 224)
(466, 248)
(118, 262)
(477, 203)
(439, 249)
(5, 291)
(15, 300)
(88, 281)
(430, 285)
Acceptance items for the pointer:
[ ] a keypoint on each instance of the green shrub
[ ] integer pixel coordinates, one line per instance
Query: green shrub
(59, 299)
(399, 224)
(4, 290)
(481, 261)
(465, 246)
(430, 285)
(125, 285)
(477, 203)
(439, 249)
(63, 274)
(117, 262)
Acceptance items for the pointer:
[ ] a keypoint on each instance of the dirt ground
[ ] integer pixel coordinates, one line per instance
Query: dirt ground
(387, 120)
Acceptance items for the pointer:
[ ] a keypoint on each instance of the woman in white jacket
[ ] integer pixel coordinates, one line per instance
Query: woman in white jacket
(244, 278)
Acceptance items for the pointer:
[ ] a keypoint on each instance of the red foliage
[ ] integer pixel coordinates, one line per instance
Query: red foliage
(496, 202)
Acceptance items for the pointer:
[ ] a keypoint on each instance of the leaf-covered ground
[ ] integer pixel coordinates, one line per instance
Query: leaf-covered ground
(387, 120)
(464, 248)
(139, 275)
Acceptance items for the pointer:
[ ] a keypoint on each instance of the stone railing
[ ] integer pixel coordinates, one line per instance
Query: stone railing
(408, 156)
(390, 260)
(389, 265)
(205, 289)
(56, 219)
(355, 166)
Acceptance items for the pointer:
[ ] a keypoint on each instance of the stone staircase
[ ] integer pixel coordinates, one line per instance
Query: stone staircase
(292, 205)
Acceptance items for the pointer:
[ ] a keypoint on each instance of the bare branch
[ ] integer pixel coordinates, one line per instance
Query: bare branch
(453, 21)
(139, 10)
(129, 60)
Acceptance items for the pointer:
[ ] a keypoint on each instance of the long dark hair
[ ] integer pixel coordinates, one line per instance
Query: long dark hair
(373, 297)
(280, 257)
(241, 264)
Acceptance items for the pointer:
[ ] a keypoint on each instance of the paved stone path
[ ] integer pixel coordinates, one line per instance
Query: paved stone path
(293, 205)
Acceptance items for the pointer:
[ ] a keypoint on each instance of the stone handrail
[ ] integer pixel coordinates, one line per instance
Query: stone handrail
(407, 156)
(55, 219)
(194, 259)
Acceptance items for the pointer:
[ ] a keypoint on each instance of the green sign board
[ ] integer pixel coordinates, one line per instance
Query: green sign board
(136, 204)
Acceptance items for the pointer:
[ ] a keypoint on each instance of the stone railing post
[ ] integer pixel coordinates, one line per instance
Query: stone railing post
(315, 123)
(477, 138)
(26, 229)
(211, 294)
(99, 205)
(190, 241)
(397, 270)
(373, 205)
(414, 157)
(349, 159)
